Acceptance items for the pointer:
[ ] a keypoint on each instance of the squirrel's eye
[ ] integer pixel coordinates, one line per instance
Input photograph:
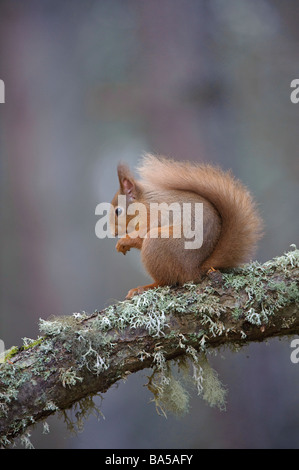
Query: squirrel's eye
(118, 211)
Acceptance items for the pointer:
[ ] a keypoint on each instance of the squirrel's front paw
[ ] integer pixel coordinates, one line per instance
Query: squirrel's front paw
(122, 246)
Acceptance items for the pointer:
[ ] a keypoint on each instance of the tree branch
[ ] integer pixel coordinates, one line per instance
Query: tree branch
(82, 355)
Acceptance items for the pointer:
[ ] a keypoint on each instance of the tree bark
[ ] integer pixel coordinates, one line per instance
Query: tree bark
(82, 355)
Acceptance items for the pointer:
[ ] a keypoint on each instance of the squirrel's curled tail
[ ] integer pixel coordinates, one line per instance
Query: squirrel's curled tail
(241, 224)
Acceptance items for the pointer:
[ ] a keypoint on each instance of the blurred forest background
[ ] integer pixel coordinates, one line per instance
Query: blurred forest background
(89, 83)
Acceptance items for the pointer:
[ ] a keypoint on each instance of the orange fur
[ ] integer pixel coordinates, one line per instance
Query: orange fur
(231, 222)
(241, 224)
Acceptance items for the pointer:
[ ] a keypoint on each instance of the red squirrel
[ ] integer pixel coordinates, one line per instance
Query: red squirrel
(231, 223)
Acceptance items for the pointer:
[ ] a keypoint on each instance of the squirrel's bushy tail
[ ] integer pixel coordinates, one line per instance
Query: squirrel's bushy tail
(241, 223)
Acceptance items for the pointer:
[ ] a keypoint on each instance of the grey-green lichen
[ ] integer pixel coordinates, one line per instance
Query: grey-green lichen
(147, 311)
(208, 384)
(170, 387)
(91, 347)
(69, 377)
(254, 279)
(169, 394)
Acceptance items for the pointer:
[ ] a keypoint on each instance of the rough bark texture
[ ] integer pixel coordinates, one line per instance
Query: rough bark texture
(81, 355)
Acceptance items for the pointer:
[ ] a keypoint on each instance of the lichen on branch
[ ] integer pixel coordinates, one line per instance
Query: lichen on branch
(80, 355)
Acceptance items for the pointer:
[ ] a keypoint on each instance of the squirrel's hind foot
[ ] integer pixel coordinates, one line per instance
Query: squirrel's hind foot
(141, 289)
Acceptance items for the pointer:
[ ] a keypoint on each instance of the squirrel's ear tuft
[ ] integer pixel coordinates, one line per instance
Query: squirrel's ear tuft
(128, 185)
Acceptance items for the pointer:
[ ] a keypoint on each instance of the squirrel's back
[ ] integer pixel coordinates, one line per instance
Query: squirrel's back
(241, 225)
